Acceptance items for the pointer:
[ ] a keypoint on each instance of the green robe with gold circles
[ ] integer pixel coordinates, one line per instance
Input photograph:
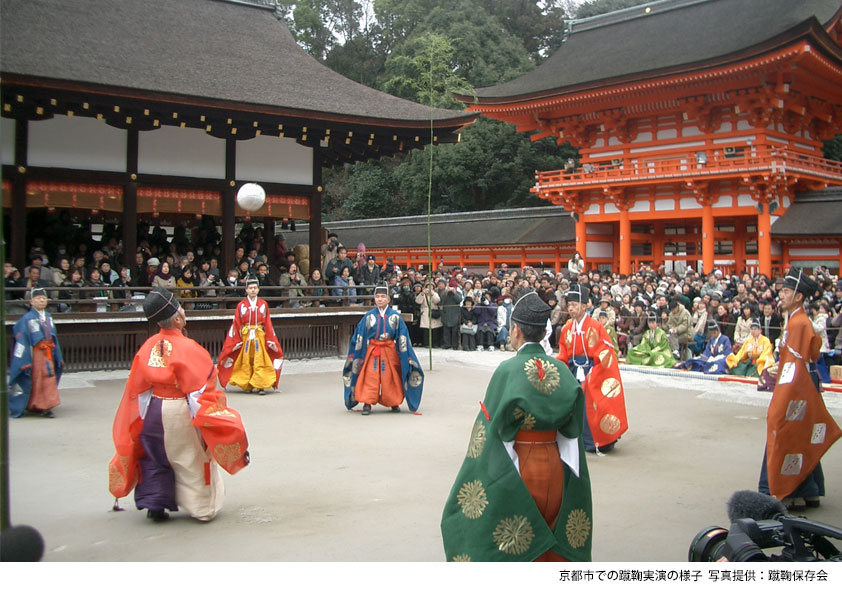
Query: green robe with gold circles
(489, 514)
(653, 350)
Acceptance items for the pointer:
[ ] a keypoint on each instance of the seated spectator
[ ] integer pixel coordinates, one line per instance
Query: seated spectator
(468, 326)
(163, 277)
(345, 283)
(742, 330)
(291, 282)
(612, 333)
(713, 359)
(121, 291)
(754, 356)
(108, 274)
(318, 291)
(654, 348)
(69, 291)
(486, 313)
(679, 330)
(638, 322)
(186, 281)
(13, 280)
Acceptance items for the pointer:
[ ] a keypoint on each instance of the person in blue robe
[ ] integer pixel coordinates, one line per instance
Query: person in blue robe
(36, 361)
(713, 359)
(381, 367)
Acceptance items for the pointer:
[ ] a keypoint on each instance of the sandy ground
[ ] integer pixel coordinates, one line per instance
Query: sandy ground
(326, 484)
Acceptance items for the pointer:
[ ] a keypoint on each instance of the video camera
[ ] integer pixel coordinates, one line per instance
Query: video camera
(759, 522)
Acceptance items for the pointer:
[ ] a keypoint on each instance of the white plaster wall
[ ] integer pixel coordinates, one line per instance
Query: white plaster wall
(274, 159)
(173, 151)
(7, 141)
(80, 143)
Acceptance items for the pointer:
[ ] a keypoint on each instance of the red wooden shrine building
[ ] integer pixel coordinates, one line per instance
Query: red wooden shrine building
(158, 110)
(700, 126)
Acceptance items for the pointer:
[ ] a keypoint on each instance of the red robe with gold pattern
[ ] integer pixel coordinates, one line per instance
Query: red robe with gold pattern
(799, 429)
(233, 345)
(605, 401)
(170, 365)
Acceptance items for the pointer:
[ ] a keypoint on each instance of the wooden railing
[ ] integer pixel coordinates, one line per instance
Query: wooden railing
(108, 339)
(697, 165)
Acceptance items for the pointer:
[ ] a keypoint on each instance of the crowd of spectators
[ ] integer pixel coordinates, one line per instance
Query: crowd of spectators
(457, 307)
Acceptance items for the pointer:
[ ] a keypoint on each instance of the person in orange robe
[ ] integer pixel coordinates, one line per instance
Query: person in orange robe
(251, 357)
(799, 429)
(173, 426)
(585, 346)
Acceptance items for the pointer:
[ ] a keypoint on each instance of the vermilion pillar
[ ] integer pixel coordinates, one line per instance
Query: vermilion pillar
(707, 237)
(582, 238)
(625, 240)
(764, 239)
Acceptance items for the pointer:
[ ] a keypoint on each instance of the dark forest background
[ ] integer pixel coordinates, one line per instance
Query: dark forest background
(390, 44)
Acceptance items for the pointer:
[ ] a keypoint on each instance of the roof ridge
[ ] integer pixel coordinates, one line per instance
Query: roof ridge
(626, 14)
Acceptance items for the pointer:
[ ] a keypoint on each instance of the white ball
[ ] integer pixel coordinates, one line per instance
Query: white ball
(251, 196)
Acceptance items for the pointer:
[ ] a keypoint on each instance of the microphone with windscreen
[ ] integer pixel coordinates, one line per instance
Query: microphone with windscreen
(753, 505)
(21, 544)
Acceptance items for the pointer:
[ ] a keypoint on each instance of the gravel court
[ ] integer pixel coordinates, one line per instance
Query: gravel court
(326, 484)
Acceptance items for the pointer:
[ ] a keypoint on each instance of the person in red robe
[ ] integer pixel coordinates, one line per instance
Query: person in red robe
(799, 429)
(173, 427)
(585, 346)
(251, 356)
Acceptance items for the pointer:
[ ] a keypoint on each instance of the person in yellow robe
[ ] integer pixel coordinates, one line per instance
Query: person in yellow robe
(755, 355)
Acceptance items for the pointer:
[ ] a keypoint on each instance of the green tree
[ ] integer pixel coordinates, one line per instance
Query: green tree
(833, 148)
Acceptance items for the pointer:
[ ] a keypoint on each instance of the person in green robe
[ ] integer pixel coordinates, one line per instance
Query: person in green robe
(654, 348)
(523, 492)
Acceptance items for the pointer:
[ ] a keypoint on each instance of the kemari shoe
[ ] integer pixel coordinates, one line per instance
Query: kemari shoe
(158, 515)
(795, 504)
(479, 348)
(396, 409)
(366, 409)
(812, 502)
(48, 413)
(261, 392)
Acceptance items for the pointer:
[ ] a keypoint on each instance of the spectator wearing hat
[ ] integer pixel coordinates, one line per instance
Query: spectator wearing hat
(754, 355)
(654, 348)
(468, 325)
(486, 310)
(713, 359)
(170, 431)
(369, 274)
(606, 307)
(637, 321)
(532, 413)
(712, 285)
(251, 356)
(586, 348)
(808, 434)
(37, 364)
(382, 368)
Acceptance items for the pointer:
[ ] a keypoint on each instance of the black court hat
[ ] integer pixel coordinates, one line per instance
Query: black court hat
(252, 279)
(575, 295)
(652, 317)
(37, 292)
(713, 325)
(798, 281)
(160, 304)
(381, 289)
(755, 323)
(531, 310)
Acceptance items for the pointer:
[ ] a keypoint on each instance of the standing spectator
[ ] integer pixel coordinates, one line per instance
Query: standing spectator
(504, 316)
(334, 267)
(576, 265)
(770, 323)
(429, 303)
(369, 274)
(36, 362)
(330, 251)
(451, 315)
